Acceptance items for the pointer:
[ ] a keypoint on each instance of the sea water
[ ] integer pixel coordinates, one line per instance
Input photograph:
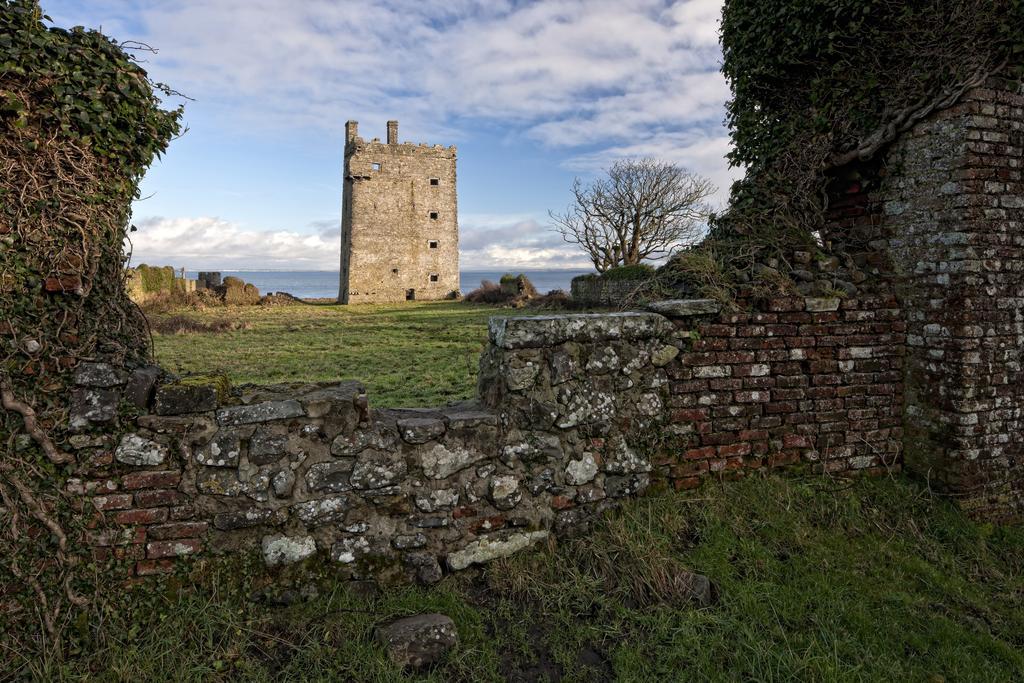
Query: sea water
(322, 284)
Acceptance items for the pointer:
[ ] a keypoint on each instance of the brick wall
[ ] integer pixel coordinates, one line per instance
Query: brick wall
(815, 382)
(939, 220)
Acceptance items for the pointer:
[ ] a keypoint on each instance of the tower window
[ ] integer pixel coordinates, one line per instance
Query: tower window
(433, 277)
(432, 244)
(433, 215)
(395, 271)
(435, 181)
(375, 165)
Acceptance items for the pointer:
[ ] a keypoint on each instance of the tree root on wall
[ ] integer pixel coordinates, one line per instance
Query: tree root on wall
(9, 402)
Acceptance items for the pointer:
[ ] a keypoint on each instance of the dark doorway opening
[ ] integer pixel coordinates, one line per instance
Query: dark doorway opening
(410, 295)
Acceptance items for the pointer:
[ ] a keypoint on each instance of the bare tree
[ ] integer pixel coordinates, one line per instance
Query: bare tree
(643, 209)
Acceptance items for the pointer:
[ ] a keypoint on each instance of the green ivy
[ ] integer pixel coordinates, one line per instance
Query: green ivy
(80, 122)
(837, 69)
(87, 87)
(814, 83)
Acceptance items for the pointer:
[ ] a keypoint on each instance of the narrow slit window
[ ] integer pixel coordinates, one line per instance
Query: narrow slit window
(433, 215)
(435, 181)
(434, 277)
(432, 244)
(375, 165)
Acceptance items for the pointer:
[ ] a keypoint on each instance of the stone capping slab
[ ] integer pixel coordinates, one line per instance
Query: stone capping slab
(681, 308)
(551, 330)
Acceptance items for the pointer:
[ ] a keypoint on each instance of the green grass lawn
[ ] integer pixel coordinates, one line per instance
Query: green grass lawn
(818, 581)
(409, 354)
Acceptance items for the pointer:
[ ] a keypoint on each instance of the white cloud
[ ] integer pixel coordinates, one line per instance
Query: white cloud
(487, 242)
(207, 243)
(567, 72)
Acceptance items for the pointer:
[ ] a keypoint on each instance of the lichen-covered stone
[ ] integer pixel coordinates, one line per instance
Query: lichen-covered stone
(266, 445)
(251, 517)
(322, 511)
(330, 477)
(139, 451)
(504, 492)
(628, 485)
(470, 419)
(487, 549)
(582, 404)
(353, 444)
(417, 430)
(223, 450)
(563, 366)
(442, 461)
(418, 641)
(432, 501)
(428, 569)
(280, 550)
(409, 541)
(283, 482)
(260, 412)
(339, 399)
(101, 375)
(603, 360)
(621, 459)
(531, 446)
(348, 550)
(375, 469)
(582, 471)
(92, 407)
(521, 378)
(218, 482)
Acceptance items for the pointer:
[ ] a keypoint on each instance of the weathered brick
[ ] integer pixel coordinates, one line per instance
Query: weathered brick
(114, 501)
(150, 480)
(159, 498)
(161, 532)
(141, 516)
(174, 548)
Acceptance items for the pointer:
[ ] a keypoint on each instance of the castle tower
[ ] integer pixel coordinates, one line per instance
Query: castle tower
(399, 223)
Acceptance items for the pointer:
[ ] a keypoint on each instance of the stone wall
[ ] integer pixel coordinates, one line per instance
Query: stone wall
(940, 220)
(399, 232)
(575, 413)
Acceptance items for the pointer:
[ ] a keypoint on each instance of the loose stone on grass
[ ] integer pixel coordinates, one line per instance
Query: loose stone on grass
(418, 641)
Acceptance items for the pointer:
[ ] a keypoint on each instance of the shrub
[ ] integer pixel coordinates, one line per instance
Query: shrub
(513, 289)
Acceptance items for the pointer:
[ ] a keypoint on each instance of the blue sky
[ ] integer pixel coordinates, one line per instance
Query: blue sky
(533, 93)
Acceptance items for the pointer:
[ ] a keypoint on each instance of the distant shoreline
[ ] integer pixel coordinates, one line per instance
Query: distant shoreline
(323, 284)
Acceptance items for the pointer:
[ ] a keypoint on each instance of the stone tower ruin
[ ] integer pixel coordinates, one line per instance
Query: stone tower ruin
(399, 222)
